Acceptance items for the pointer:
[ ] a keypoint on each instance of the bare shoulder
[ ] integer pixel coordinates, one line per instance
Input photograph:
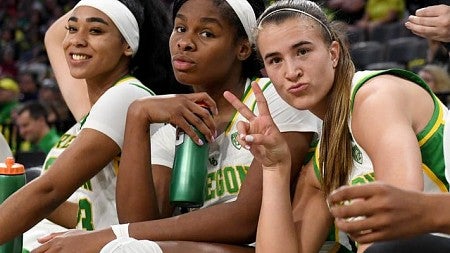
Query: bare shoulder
(388, 90)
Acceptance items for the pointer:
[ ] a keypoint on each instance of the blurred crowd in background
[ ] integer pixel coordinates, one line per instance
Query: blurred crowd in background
(374, 28)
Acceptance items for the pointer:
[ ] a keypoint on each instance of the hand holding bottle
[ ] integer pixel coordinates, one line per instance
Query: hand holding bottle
(181, 110)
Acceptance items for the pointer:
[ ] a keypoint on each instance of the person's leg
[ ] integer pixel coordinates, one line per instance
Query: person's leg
(417, 244)
(130, 245)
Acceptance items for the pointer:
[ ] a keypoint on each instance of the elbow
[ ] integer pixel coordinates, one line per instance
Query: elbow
(48, 193)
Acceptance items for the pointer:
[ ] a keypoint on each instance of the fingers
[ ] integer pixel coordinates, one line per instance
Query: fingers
(350, 202)
(191, 110)
(363, 231)
(43, 248)
(419, 23)
(345, 193)
(244, 139)
(243, 109)
(260, 100)
(195, 118)
(432, 11)
(238, 105)
(203, 97)
(48, 237)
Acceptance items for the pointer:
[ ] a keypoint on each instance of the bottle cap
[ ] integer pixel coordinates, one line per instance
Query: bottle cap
(11, 168)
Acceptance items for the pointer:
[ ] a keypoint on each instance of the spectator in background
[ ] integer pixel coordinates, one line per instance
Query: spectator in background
(433, 23)
(8, 66)
(380, 12)
(29, 86)
(436, 77)
(9, 94)
(348, 11)
(59, 114)
(34, 128)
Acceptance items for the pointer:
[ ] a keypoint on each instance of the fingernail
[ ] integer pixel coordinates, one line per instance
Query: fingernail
(242, 136)
(200, 142)
(247, 147)
(249, 138)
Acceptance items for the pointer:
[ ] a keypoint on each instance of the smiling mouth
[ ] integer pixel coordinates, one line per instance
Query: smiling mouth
(80, 57)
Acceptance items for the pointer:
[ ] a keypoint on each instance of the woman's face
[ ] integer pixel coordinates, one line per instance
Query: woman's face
(93, 45)
(203, 45)
(298, 62)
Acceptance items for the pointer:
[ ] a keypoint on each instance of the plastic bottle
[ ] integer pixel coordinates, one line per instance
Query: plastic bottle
(188, 182)
(12, 177)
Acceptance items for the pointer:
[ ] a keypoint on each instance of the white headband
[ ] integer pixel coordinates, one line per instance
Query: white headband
(246, 15)
(298, 11)
(121, 17)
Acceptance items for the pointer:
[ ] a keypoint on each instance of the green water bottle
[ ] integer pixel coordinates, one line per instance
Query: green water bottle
(12, 178)
(188, 182)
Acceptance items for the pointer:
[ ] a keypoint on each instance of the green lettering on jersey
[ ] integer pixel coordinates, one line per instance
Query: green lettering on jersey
(210, 193)
(85, 214)
(220, 189)
(226, 180)
(364, 179)
(65, 141)
(242, 170)
(49, 162)
(87, 185)
(231, 180)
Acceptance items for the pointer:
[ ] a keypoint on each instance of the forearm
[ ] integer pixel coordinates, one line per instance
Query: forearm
(224, 223)
(315, 225)
(276, 231)
(65, 215)
(25, 208)
(437, 223)
(136, 199)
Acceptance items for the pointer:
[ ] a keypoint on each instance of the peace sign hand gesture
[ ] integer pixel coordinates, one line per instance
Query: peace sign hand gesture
(260, 135)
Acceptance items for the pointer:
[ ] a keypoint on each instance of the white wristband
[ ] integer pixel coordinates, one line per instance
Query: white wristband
(121, 230)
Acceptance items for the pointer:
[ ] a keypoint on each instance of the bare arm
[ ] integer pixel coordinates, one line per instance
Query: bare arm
(65, 215)
(138, 201)
(38, 199)
(311, 214)
(276, 231)
(73, 90)
(388, 113)
(233, 222)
